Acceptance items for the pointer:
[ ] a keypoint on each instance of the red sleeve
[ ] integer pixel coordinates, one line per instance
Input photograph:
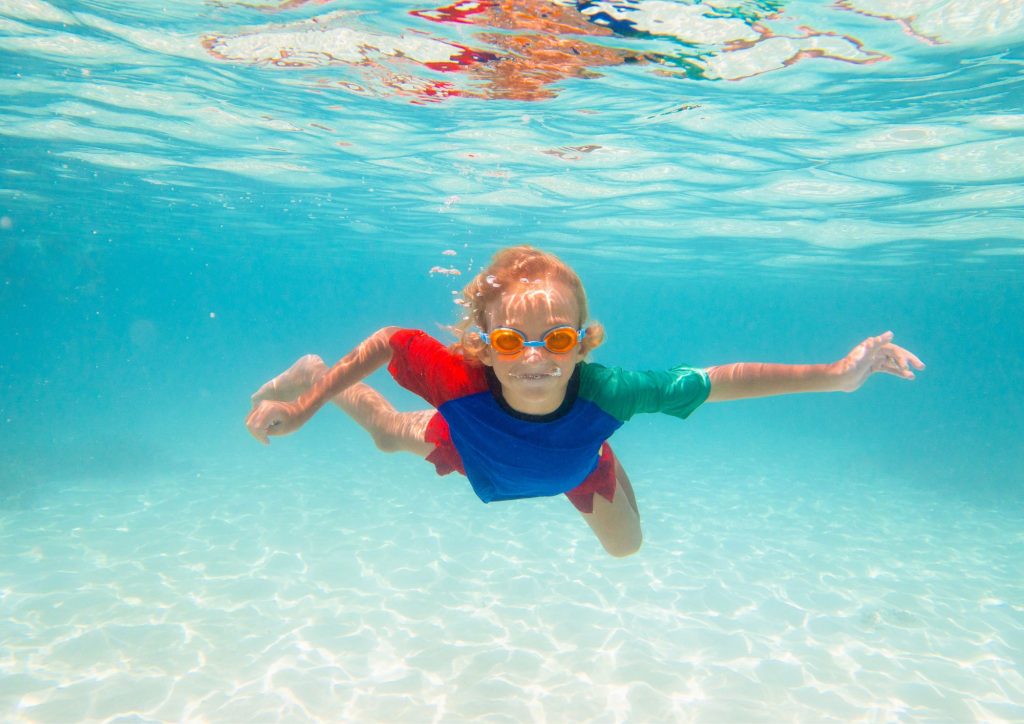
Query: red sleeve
(422, 365)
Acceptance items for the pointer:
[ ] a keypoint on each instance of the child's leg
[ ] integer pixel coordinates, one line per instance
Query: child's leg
(391, 430)
(617, 524)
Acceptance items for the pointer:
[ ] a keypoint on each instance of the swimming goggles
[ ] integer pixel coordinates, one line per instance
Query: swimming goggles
(559, 340)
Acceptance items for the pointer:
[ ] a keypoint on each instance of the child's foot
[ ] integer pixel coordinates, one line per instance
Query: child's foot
(291, 383)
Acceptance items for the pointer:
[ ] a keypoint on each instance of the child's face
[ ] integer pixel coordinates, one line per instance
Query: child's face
(534, 379)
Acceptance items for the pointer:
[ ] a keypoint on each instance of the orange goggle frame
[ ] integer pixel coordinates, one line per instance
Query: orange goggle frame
(559, 340)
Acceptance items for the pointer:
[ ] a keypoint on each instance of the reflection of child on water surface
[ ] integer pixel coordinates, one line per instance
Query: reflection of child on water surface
(532, 44)
(518, 409)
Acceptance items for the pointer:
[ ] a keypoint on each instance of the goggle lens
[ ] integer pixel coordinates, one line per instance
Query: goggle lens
(510, 341)
(560, 340)
(507, 341)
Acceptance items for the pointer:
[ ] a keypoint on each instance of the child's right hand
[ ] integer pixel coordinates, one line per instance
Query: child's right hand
(273, 417)
(273, 413)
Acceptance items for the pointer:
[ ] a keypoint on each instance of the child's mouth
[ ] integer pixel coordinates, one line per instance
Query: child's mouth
(537, 376)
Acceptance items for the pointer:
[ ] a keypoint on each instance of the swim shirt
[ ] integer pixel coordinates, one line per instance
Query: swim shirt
(508, 454)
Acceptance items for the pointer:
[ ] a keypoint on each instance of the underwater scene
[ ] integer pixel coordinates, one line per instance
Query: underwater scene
(194, 195)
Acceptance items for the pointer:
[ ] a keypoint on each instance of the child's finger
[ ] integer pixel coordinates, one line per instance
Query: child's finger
(260, 433)
(257, 433)
(899, 367)
(906, 356)
(871, 345)
(256, 426)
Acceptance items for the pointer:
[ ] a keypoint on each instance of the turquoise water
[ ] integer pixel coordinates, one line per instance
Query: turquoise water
(193, 195)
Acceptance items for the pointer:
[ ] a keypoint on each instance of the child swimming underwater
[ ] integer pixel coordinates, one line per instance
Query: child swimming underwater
(517, 409)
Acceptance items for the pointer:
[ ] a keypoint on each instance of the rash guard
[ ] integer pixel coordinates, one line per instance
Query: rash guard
(509, 454)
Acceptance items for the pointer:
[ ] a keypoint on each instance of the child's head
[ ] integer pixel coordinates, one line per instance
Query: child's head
(518, 276)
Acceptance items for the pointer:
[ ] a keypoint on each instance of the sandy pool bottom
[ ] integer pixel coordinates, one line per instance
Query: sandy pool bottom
(374, 591)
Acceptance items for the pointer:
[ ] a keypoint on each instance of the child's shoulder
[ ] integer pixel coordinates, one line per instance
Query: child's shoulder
(424, 365)
(623, 393)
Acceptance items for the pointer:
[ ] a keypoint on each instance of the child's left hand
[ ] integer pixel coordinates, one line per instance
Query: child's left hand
(875, 354)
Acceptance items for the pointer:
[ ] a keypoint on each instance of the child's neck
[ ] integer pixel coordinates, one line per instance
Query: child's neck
(527, 406)
(538, 401)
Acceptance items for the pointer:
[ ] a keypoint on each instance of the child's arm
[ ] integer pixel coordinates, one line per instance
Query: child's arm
(743, 380)
(278, 417)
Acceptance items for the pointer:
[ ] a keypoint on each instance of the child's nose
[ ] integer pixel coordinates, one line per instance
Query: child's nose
(531, 353)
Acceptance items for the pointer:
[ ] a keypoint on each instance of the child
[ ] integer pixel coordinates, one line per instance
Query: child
(517, 409)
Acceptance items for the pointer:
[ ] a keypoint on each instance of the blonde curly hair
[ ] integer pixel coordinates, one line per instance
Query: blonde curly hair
(510, 268)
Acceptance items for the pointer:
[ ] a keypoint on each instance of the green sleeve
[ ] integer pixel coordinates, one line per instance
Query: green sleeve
(622, 393)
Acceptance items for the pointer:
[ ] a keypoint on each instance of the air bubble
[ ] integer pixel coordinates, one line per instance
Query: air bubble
(442, 270)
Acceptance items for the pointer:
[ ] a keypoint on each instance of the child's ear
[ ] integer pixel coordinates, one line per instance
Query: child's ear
(474, 348)
(592, 340)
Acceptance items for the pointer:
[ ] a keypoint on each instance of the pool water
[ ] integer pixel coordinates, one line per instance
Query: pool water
(194, 195)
